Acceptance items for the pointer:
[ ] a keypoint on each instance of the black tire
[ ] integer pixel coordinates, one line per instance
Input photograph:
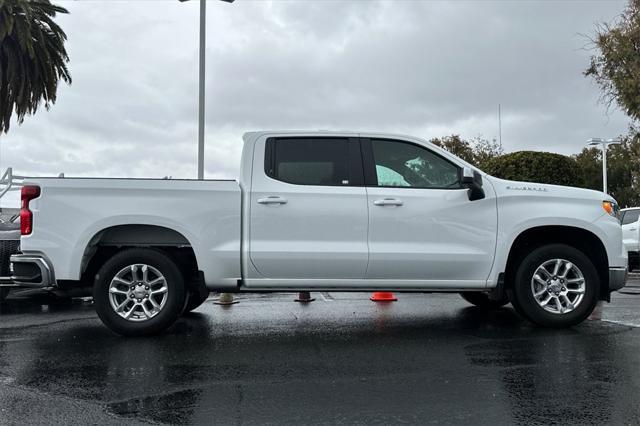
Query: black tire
(195, 299)
(482, 300)
(524, 301)
(167, 314)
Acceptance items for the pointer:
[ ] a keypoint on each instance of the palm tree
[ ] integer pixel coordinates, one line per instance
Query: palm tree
(32, 57)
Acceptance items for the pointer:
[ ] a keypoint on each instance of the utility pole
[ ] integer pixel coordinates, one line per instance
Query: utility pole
(201, 86)
(500, 126)
(201, 83)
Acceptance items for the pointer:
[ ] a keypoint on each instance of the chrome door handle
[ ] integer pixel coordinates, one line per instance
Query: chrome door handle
(388, 202)
(632, 229)
(272, 199)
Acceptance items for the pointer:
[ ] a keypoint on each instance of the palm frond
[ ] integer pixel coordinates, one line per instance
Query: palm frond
(33, 58)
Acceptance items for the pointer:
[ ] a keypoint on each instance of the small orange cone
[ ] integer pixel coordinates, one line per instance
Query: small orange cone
(383, 296)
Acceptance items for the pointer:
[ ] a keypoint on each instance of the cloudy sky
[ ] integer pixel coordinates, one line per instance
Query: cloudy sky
(425, 68)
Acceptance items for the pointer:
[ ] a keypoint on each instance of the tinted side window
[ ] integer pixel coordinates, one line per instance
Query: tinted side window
(630, 216)
(309, 161)
(402, 164)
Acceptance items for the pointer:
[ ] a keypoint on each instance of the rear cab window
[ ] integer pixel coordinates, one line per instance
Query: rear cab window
(320, 161)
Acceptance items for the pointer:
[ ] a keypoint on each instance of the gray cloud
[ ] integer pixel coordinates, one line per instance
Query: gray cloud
(424, 68)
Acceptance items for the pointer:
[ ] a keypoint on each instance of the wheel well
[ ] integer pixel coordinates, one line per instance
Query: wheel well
(581, 239)
(111, 240)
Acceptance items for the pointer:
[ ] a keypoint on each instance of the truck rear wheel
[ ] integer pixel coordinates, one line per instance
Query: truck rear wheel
(555, 285)
(482, 300)
(139, 292)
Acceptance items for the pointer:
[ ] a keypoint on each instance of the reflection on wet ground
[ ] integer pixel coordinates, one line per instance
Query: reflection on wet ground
(340, 359)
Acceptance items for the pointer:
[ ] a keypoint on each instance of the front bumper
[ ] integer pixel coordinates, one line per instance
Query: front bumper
(617, 278)
(33, 271)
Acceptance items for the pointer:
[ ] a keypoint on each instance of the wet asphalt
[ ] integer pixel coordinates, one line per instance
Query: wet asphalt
(342, 359)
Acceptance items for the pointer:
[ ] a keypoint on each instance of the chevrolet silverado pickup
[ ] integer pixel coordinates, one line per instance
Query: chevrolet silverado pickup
(322, 211)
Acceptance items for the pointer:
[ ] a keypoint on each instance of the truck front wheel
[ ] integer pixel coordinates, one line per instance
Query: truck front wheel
(139, 292)
(555, 286)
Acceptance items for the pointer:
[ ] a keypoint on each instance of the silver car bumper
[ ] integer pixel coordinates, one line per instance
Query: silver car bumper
(34, 271)
(617, 278)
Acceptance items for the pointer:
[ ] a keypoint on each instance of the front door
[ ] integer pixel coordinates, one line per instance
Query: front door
(308, 212)
(422, 225)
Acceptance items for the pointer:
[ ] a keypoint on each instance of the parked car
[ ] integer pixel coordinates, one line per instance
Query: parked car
(9, 245)
(323, 211)
(631, 235)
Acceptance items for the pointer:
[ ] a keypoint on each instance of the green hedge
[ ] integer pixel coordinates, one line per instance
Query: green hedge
(533, 166)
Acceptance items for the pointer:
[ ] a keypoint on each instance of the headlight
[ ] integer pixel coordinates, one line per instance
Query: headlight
(611, 208)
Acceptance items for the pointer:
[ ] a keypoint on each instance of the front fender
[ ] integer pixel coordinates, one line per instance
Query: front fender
(516, 216)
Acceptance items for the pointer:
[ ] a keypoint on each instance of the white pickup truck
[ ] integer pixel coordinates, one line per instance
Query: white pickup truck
(322, 211)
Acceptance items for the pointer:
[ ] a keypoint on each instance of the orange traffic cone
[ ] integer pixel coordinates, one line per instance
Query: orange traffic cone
(383, 296)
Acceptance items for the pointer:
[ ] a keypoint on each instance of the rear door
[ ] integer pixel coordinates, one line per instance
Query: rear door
(422, 226)
(308, 211)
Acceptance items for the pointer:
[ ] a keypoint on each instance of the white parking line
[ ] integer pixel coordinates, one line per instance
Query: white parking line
(635, 324)
(327, 297)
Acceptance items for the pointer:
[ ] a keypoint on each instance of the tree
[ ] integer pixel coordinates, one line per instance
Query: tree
(589, 162)
(33, 58)
(532, 166)
(484, 151)
(616, 69)
(455, 145)
(476, 151)
(623, 169)
(616, 66)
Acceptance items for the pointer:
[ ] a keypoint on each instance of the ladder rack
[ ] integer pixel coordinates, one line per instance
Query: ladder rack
(10, 182)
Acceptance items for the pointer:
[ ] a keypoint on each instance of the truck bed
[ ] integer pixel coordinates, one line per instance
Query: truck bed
(72, 214)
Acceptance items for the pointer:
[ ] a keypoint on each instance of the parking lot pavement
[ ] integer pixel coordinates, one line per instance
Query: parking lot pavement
(340, 359)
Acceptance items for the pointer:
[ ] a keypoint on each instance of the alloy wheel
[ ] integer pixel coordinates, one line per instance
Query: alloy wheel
(138, 292)
(558, 286)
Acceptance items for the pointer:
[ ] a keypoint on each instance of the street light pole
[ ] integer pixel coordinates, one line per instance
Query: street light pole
(201, 83)
(604, 168)
(604, 144)
(201, 86)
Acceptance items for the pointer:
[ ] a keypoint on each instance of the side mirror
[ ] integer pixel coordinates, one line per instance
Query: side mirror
(472, 180)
